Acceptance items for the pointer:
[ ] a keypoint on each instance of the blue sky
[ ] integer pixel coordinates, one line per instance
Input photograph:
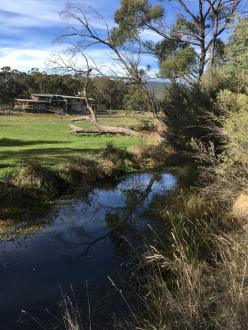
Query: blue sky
(29, 28)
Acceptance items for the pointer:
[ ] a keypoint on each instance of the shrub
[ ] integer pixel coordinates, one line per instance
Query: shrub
(190, 109)
(228, 101)
(226, 173)
(186, 113)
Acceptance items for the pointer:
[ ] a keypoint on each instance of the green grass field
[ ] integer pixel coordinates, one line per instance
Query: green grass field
(47, 139)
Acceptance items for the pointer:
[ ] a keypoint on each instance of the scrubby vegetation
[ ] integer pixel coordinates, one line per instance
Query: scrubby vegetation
(194, 274)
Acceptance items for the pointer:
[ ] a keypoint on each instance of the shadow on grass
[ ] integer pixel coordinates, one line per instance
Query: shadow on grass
(47, 157)
(18, 143)
(56, 152)
(6, 166)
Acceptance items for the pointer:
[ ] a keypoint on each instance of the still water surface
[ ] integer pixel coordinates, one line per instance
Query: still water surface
(87, 240)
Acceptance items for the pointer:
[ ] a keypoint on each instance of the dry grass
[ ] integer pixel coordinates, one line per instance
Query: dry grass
(197, 277)
(71, 314)
(231, 280)
(34, 176)
(79, 170)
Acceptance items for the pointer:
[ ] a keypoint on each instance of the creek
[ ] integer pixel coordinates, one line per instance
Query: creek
(88, 242)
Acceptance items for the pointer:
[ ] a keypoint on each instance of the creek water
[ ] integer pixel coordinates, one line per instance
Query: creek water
(88, 240)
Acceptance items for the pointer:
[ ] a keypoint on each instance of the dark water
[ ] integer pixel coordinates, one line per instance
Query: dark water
(88, 240)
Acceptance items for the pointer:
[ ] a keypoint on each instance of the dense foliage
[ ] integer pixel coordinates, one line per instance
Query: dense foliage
(185, 44)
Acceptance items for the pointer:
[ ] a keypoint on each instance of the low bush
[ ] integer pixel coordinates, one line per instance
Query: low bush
(121, 159)
(186, 113)
(225, 173)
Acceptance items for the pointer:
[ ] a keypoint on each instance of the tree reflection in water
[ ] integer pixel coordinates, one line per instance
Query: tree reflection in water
(122, 220)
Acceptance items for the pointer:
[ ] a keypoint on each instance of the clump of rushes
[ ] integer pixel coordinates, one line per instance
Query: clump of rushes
(29, 193)
(121, 159)
(34, 176)
(107, 169)
(79, 170)
(153, 157)
(20, 203)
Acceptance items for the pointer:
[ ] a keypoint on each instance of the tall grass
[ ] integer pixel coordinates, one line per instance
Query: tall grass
(197, 277)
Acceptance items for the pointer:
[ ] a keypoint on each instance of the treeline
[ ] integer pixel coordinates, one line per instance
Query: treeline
(114, 94)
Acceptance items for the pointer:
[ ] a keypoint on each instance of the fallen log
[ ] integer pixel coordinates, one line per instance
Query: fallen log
(105, 130)
(79, 130)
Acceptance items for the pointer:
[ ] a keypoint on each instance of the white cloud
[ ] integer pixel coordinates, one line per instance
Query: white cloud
(27, 58)
(151, 35)
(24, 49)
(34, 13)
(24, 59)
(39, 11)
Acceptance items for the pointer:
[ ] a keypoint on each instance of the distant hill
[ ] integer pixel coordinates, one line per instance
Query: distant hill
(157, 87)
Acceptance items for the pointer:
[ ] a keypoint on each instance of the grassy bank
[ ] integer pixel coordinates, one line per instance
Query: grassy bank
(41, 161)
(194, 274)
(46, 139)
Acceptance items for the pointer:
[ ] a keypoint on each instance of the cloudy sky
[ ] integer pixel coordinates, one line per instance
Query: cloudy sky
(29, 28)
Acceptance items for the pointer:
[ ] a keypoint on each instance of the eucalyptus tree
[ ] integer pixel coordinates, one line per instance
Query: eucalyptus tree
(186, 45)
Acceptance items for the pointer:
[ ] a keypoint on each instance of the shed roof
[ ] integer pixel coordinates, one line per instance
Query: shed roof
(31, 101)
(64, 96)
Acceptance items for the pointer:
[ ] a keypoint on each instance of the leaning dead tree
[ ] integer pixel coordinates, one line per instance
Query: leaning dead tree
(83, 36)
(69, 64)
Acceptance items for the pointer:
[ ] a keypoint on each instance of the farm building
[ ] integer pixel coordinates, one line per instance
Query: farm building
(53, 103)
